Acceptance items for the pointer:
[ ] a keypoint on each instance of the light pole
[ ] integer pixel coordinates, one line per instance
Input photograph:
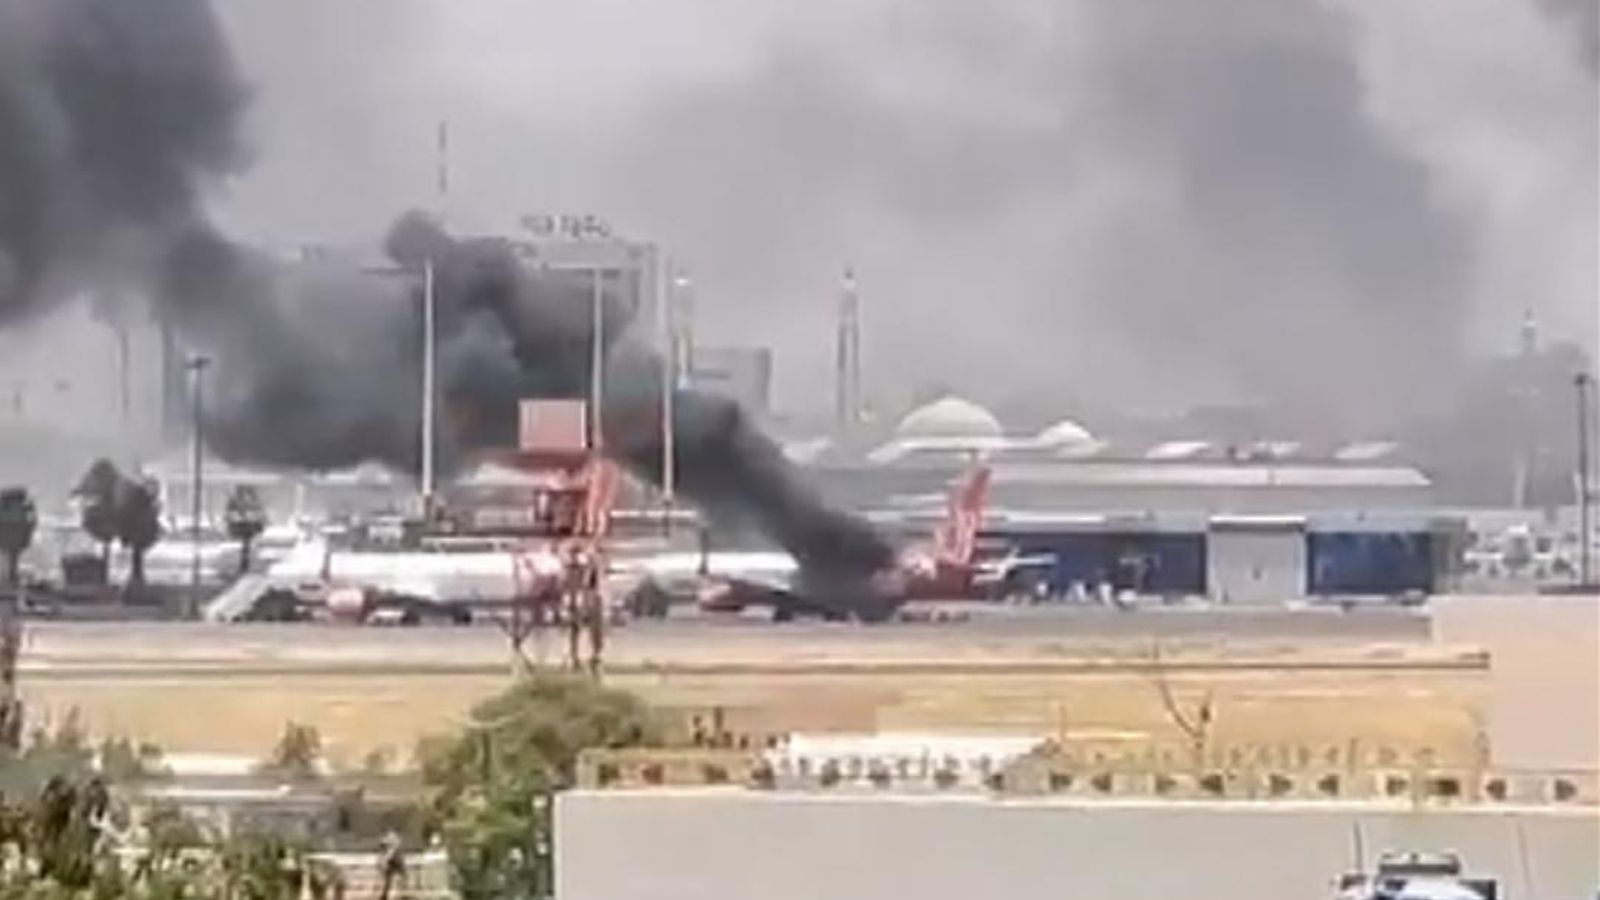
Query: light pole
(670, 374)
(196, 365)
(429, 352)
(125, 405)
(597, 357)
(1581, 383)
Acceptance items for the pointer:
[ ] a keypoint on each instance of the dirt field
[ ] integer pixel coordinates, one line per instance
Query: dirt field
(191, 690)
(358, 713)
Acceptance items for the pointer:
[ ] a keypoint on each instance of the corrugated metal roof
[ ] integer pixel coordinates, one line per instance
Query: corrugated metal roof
(1176, 450)
(1217, 475)
(1365, 451)
(1020, 521)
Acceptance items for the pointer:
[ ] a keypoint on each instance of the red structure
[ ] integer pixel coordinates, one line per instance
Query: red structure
(561, 560)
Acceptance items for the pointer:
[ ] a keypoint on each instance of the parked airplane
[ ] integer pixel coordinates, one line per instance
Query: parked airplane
(735, 581)
(448, 576)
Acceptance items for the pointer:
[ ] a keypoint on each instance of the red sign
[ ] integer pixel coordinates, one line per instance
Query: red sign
(553, 426)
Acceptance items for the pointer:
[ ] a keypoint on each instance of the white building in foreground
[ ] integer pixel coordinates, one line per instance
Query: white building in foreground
(733, 844)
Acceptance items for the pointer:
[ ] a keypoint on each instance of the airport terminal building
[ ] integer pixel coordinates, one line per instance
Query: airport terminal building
(1181, 518)
(1238, 524)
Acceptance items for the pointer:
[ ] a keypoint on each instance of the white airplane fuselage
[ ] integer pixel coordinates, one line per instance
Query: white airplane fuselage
(437, 576)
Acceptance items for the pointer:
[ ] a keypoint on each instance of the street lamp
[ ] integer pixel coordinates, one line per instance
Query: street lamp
(672, 324)
(196, 366)
(543, 845)
(1581, 382)
(429, 353)
(426, 441)
(681, 337)
(597, 359)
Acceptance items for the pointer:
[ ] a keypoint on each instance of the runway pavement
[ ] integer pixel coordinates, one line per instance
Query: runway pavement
(991, 635)
(1316, 675)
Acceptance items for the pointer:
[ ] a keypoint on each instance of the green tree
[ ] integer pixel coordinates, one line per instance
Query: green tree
(18, 520)
(492, 785)
(263, 867)
(169, 833)
(246, 518)
(123, 761)
(62, 753)
(56, 847)
(297, 755)
(138, 521)
(98, 494)
(180, 863)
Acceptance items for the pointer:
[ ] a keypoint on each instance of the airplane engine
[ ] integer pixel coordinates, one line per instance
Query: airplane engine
(919, 566)
(348, 604)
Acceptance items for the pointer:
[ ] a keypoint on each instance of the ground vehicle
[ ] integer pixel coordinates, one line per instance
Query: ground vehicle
(1416, 876)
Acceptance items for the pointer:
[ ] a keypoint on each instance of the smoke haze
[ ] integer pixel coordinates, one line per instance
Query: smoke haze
(1317, 204)
(113, 118)
(114, 121)
(1230, 200)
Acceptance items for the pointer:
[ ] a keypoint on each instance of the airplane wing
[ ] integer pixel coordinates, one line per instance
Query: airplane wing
(754, 580)
(768, 581)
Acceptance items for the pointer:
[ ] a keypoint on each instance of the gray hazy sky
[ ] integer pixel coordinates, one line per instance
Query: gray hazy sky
(1135, 201)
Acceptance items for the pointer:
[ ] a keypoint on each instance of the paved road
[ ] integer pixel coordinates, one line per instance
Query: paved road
(1014, 634)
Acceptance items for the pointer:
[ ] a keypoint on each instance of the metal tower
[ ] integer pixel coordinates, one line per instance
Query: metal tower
(847, 356)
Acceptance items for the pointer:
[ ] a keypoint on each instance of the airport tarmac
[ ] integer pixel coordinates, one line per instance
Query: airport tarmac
(1317, 675)
(989, 633)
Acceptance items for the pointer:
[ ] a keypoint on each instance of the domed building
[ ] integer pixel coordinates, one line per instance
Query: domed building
(1067, 435)
(949, 426)
(949, 418)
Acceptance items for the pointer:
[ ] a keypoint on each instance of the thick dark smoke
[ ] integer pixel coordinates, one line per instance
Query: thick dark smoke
(1200, 185)
(113, 117)
(342, 387)
(1582, 19)
(506, 333)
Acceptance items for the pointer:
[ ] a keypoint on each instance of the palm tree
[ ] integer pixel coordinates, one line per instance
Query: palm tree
(18, 519)
(246, 519)
(97, 494)
(138, 521)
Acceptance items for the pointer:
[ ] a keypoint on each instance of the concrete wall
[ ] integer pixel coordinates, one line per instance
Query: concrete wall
(699, 845)
(1544, 675)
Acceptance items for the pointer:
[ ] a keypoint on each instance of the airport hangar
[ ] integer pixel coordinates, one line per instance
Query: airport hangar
(1179, 518)
(1253, 524)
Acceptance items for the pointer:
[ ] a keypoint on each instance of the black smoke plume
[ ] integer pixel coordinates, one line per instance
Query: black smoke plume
(506, 332)
(329, 377)
(115, 116)
(113, 119)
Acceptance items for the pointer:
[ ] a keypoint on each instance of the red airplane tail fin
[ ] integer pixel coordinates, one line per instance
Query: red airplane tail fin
(957, 538)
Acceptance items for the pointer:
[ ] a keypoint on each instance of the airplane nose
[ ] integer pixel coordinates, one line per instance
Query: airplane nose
(917, 566)
(711, 589)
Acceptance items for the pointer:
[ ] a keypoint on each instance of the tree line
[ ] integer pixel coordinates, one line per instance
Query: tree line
(116, 509)
(65, 817)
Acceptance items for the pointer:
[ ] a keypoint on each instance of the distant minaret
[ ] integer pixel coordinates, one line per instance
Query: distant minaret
(847, 356)
(442, 169)
(1527, 395)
